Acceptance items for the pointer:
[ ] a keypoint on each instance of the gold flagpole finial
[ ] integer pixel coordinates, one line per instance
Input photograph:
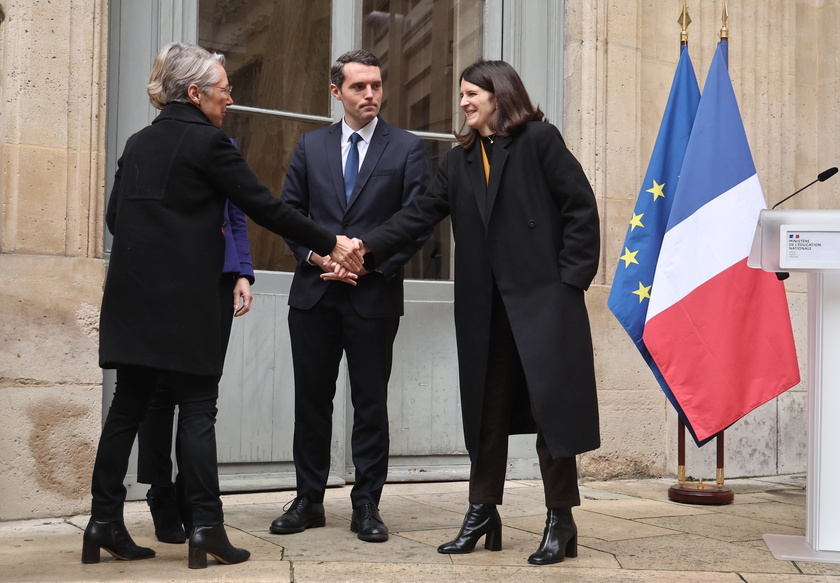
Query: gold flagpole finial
(684, 21)
(724, 32)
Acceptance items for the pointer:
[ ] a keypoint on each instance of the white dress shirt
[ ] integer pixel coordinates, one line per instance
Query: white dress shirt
(366, 133)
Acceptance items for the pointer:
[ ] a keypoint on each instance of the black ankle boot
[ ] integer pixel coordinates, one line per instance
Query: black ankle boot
(559, 538)
(481, 519)
(213, 540)
(167, 519)
(114, 538)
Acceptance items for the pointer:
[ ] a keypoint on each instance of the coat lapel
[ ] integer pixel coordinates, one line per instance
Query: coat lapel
(497, 165)
(333, 155)
(377, 146)
(475, 170)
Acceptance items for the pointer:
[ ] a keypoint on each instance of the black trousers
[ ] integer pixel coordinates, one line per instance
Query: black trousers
(154, 439)
(196, 398)
(318, 338)
(487, 473)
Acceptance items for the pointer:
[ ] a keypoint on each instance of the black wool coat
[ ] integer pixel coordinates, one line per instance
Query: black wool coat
(160, 306)
(535, 231)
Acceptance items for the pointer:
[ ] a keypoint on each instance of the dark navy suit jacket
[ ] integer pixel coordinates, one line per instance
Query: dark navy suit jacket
(395, 169)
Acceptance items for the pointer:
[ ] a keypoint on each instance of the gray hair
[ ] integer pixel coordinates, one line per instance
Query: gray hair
(176, 67)
(358, 56)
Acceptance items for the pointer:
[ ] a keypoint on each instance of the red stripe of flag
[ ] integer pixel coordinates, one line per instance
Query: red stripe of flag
(720, 358)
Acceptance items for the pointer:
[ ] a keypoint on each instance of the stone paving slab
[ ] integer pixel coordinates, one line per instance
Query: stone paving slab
(724, 527)
(688, 552)
(776, 513)
(819, 568)
(785, 495)
(629, 532)
(377, 573)
(53, 553)
(610, 528)
(635, 508)
(773, 578)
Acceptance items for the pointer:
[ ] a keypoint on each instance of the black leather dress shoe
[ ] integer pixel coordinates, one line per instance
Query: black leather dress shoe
(368, 524)
(302, 514)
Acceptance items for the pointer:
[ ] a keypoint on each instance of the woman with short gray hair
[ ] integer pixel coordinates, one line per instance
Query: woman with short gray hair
(160, 308)
(176, 68)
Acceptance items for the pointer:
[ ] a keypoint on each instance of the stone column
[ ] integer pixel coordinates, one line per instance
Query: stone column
(52, 124)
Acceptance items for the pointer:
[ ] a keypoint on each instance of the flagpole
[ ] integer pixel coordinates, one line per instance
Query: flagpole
(684, 491)
(684, 21)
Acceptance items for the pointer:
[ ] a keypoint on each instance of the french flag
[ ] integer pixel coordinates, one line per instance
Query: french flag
(719, 331)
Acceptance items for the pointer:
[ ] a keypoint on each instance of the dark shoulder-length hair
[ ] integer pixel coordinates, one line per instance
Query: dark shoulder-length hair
(513, 105)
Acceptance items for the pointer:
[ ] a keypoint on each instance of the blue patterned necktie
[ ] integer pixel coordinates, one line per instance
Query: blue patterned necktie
(351, 167)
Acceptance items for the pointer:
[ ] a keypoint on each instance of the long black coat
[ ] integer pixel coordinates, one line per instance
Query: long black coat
(161, 302)
(535, 230)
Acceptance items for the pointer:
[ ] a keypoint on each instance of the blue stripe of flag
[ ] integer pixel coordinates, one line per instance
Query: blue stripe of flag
(721, 166)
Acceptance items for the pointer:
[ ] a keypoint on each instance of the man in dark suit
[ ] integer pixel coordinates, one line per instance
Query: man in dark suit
(350, 178)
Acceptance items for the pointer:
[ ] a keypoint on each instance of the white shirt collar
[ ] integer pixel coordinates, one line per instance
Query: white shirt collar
(366, 132)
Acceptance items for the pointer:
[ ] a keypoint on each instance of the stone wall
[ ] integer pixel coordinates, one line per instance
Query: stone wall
(52, 90)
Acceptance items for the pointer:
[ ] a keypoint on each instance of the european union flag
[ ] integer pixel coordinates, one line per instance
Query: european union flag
(631, 288)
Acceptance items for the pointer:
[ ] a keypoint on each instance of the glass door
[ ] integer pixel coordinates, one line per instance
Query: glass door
(278, 56)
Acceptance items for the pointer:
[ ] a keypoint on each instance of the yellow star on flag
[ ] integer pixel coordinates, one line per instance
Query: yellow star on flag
(636, 221)
(643, 292)
(656, 191)
(629, 257)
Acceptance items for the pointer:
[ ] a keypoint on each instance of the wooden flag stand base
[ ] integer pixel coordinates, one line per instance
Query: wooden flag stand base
(699, 492)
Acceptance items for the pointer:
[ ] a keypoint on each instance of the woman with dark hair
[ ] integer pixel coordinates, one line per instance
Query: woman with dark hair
(160, 309)
(526, 230)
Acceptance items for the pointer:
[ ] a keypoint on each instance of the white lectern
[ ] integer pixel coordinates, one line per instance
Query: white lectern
(809, 241)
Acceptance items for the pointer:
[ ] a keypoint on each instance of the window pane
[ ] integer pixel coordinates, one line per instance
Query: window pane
(423, 45)
(277, 56)
(434, 259)
(267, 143)
(277, 51)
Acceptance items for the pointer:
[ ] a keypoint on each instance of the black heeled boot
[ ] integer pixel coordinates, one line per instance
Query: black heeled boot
(114, 538)
(559, 538)
(481, 519)
(165, 514)
(213, 540)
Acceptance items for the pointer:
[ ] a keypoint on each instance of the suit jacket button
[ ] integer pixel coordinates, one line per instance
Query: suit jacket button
(345, 226)
(532, 224)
